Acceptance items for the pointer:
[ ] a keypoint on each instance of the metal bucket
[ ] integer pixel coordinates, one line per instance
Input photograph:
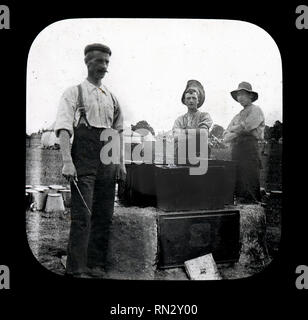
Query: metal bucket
(39, 198)
(66, 195)
(54, 203)
(36, 198)
(30, 197)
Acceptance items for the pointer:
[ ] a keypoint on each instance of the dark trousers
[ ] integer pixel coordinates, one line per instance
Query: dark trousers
(89, 234)
(245, 151)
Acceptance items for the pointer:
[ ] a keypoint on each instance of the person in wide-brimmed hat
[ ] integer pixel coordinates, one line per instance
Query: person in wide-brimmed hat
(193, 97)
(243, 133)
(245, 86)
(198, 88)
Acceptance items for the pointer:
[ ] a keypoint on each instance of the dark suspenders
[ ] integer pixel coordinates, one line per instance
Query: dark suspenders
(81, 109)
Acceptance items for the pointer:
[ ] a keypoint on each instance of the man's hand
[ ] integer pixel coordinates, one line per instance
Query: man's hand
(69, 170)
(121, 172)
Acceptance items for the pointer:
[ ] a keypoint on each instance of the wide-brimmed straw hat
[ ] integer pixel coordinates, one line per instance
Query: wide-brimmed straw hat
(196, 85)
(246, 87)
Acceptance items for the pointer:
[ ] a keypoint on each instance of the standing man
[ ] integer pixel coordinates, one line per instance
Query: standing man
(84, 112)
(244, 132)
(193, 97)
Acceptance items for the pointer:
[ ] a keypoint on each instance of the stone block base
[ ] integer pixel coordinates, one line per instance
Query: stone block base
(133, 244)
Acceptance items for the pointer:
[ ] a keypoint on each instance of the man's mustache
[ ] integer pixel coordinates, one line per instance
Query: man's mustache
(102, 70)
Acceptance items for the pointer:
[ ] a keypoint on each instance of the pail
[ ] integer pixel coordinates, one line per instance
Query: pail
(66, 195)
(30, 193)
(39, 198)
(54, 202)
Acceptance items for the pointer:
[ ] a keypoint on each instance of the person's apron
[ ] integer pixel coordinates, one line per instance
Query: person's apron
(88, 239)
(86, 144)
(245, 151)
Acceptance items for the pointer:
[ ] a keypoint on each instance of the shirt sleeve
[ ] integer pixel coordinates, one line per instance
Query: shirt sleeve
(177, 124)
(205, 120)
(66, 111)
(230, 133)
(118, 115)
(254, 119)
(234, 125)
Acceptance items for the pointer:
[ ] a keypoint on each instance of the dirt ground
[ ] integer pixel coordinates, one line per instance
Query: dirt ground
(48, 232)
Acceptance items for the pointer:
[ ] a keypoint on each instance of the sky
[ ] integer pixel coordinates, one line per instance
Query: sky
(151, 62)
